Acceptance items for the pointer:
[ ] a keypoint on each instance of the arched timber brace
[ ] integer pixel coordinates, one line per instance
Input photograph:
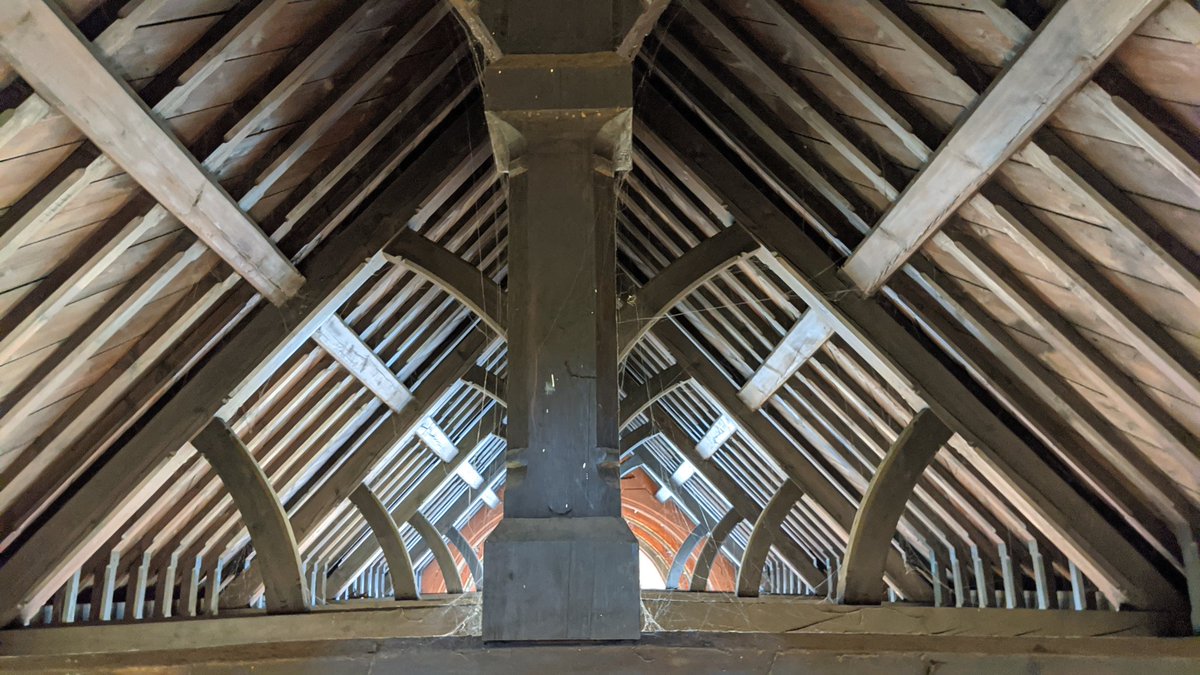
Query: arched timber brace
(464, 547)
(712, 548)
(361, 556)
(267, 522)
(487, 383)
(860, 578)
(737, 496)
(386, 533)
(812, 482)
(681, 556)
(641, 396)
(769, 521)
(456, 276)
(1040, 494)
(441, 553)
(677, 281)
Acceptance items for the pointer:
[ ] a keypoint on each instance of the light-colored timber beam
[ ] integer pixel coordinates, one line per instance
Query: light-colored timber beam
(456, 276)
(750, 571)
(270, 531)
(712, 548)
(860, 577)
(363, 554)
(63, 67)
(441, 553)
(387, 538)
(348, 349)
(639, 397)
(455, 537)
(1041, 495)
(683, 276)
(796, 347)
(812, 482)
(1071, 45)
(679, 562)
(94, 512)
(742, 502)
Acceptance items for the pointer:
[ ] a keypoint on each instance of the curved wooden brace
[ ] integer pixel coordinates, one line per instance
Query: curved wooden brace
(631, 441)
(642, 396)
(769, 521)
(487, 383)
(677, 281)
(404, 582)
(682, 555)
(456, 276)
(860, 580)
(441, 553)
(268, 524)
(708, 554)
(464, 547)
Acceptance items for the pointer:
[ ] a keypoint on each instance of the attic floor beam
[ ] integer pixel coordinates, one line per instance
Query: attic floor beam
(860, 577)
(1072, 44)
(712, 548)
(387, 537)
(90, 515)
(270, 531)
(48, 51)
(1042, 496)
(750, 572)
(441, 553)
(793, 351)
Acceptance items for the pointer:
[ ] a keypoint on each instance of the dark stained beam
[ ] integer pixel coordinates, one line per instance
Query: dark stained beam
(639, 397)
(860, 577)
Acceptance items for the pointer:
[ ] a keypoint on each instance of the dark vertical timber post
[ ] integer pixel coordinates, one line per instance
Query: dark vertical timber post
(563, 564)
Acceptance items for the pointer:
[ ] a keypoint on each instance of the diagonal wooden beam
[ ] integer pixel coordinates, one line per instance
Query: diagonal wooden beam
(860, 577)
(387, 537)
(460, 542)
(1072, 44)
(348, 349)
(91, 514)
(466, 283)
(48, 51)
(270, 531)
(796, 347)
(750, 571)
(1041, 495)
